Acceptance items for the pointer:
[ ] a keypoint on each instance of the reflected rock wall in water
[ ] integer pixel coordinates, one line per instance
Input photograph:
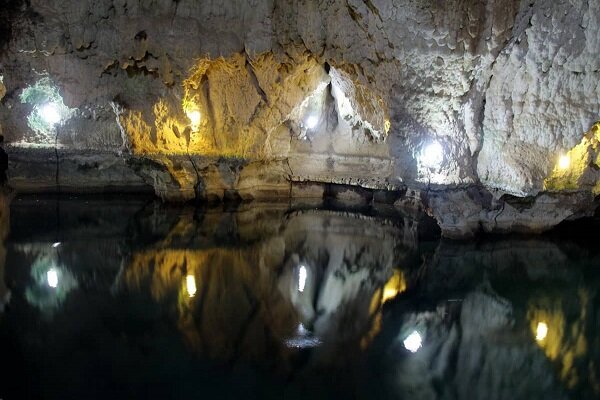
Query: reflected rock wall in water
(312, 296)
(478, 307)
(4, 229)
(310, 284)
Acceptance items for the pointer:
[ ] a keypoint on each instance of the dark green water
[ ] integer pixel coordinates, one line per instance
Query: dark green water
(127, 298)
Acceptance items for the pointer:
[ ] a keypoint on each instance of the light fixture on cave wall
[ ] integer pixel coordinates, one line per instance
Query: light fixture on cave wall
(308, 117)
(47, 113)
(564, 162)
(190, 285)
(195, 118)
(432, 155)
(430, 162)
(311, 122)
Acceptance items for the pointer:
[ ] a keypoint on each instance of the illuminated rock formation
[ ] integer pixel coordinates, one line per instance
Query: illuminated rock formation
(208, 101)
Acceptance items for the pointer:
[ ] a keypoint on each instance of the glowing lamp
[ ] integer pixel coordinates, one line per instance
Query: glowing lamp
(564, 162)
(432, 155)
(56, 244)
(194, 117)
(190, 284)
(541, 331)
(52, 277)
(50, 114)
(302, 278)
(413, 342)
(312, 122)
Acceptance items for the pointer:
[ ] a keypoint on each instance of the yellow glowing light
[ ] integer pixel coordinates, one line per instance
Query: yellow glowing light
(396, 284)
(194, 117)
(387, 125)
(564, 161)
(541, 331)
(190, 283)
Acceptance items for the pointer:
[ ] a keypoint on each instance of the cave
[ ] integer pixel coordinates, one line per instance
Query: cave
(300, 199)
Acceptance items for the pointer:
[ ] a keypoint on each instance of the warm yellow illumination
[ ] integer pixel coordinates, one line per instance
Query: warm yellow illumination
(564, 161)
(194, 117)
(396, 284)
(190, 283)
(541, 331)
(387, 125)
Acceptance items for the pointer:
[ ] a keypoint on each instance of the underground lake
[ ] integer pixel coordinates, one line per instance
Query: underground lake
(127, 297)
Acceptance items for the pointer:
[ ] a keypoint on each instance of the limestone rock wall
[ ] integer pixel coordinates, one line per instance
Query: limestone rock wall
(543, 94)
(345, 92)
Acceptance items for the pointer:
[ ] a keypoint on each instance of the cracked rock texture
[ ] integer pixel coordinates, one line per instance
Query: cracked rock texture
(344, 92)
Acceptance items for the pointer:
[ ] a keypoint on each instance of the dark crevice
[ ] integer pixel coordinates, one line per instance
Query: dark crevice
(210, 108)
(141, 35)
(372, 8)
(57, 159)
(10, 12)
(199, 181)
(255, 82)
(133, 70)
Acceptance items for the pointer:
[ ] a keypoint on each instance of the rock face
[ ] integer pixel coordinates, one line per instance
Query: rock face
(244, 99)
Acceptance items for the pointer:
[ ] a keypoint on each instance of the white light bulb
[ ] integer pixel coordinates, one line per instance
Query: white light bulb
(50, 114)
(541, 331)
(56, 244)
(564, 162)
(195, 117)
(190, 283)
(302, 278)
(52, 277)
(413, 342)
(312, 122)
(432, 155)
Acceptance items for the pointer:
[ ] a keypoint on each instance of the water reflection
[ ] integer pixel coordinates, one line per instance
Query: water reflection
(296, 289)
(51, 282)
(266, 301)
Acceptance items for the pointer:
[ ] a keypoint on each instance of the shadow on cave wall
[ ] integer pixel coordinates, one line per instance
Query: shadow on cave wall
(11, 11)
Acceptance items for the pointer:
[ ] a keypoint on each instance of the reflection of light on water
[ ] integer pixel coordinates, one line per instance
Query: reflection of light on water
(52, 277)
(413, 342)
(51, 282)
(541, 331)
(302, 278)
(396, 284)
(562, 338)
(303, 339)
(190, 283)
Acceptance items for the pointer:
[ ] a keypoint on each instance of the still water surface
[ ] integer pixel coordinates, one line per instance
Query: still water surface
(128, 298)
